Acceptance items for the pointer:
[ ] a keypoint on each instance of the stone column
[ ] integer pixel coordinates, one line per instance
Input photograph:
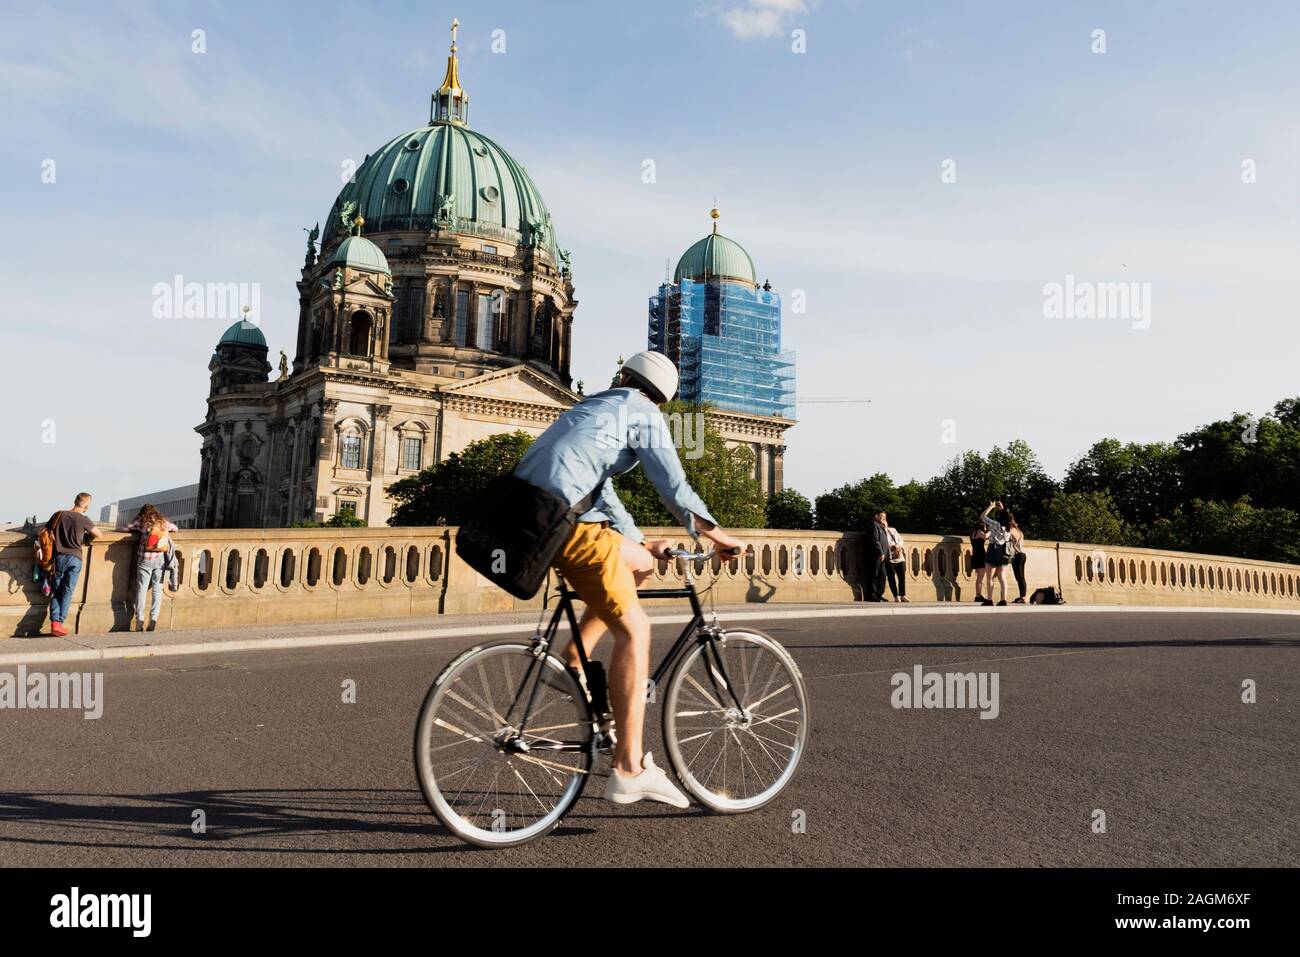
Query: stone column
(274, 471)
(223, 474)
(449, 327)
(778, 468)
(329, 409)
(471, 321)
(378, 463)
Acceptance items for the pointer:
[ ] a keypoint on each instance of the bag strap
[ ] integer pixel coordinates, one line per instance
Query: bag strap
(585, 504)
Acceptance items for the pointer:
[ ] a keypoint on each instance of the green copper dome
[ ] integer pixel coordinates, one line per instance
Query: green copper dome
(445, 174)
(360, 253)
(715, 257)
(243, 333)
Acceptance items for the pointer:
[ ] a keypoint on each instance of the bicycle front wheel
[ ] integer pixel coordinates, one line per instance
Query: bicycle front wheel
(491, 782)
(735, 734)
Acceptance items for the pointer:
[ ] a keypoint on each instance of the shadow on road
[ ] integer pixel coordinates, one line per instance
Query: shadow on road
(235, 821)
(1270, 641)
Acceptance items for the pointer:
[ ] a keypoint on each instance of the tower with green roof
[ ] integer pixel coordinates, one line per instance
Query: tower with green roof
(723, 330)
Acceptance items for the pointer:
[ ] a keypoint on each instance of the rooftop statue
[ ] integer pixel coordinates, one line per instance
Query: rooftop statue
(447, 209)
(346, 215)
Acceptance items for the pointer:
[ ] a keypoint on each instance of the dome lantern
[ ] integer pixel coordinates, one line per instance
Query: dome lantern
(450, 102)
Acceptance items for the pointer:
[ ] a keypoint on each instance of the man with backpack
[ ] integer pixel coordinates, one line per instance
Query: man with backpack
(59, 554)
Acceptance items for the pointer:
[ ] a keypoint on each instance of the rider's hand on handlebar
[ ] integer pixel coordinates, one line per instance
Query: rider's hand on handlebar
(659, 548)
(726, 546)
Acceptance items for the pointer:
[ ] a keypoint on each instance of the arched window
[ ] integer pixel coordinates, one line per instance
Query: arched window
(359, 334)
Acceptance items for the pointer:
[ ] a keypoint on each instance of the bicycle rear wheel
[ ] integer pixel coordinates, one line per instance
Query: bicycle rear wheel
(487, 782)
(729, 758)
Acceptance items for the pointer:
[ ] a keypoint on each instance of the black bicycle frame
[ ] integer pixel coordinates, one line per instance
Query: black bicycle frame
(565, 610)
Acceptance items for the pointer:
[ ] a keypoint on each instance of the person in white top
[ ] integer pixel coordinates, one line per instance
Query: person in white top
(896, 567)
(999, 548)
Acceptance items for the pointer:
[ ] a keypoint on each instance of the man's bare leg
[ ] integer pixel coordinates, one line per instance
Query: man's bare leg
(628, 672)
(590, 628)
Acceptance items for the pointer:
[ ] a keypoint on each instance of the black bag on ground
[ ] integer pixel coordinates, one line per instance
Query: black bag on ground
(515, 533)
(1046, 596)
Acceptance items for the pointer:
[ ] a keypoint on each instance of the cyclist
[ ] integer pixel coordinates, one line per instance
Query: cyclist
(607, 557)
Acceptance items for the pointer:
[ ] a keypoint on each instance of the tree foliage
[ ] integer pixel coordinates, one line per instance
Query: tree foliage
(1089, 518)
(445, 493)
(1143, 480)
(789, 509)
(1230, 528)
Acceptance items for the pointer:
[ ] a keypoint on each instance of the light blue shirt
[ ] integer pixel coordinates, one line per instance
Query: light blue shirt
(604, 435)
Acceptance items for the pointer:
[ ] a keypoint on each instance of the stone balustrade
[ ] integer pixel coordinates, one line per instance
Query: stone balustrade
(265, 576)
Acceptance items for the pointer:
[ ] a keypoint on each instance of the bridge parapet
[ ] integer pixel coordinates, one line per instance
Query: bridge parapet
(266, 576)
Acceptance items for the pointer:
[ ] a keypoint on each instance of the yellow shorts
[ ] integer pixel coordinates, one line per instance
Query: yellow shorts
(592, 563)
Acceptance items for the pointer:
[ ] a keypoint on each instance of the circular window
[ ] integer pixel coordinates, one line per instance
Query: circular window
(490, 193)
(481, 150)
(412, 144)
(400, 186)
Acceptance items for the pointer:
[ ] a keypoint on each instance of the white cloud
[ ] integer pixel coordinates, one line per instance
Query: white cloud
(761, 18)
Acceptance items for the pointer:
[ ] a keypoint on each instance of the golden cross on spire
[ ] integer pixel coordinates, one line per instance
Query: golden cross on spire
(451, 82)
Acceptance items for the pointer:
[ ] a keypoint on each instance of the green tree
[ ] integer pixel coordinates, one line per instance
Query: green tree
(723, 477)
(445, 493)
(849, 508)
(789, 509)
(345, 520)
(1230, 528)
(1143, 479)
(951, 502)
(1088, 518)
(1225, 460)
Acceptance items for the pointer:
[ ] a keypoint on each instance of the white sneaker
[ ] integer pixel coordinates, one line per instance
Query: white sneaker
(650, 784)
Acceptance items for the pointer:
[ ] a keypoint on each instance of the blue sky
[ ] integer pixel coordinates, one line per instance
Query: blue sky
(923, 295)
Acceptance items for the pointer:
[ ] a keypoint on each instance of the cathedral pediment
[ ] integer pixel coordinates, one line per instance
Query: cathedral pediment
(517, 384)
(366, 286)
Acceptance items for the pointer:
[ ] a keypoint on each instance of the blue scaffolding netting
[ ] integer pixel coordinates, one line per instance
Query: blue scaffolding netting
(726, 340)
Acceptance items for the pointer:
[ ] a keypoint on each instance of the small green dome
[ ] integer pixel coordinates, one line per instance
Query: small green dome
(715, 257)
(243, 333)
(358, 252)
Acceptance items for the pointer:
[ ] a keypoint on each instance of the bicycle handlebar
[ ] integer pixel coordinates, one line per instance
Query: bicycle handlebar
(690, 556)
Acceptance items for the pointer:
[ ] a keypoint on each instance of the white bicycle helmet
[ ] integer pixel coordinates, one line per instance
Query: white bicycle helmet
(655, 372)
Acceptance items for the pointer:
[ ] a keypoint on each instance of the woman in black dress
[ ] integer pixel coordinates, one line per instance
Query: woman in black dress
(978, 536)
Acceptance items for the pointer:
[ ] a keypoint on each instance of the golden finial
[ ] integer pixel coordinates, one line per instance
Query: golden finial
(359, 222)
(451, 82)
(715, 214)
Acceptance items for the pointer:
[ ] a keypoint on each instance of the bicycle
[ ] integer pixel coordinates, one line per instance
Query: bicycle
(503, 775)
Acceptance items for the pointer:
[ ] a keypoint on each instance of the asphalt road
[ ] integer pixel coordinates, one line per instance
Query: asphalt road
(1138, 715)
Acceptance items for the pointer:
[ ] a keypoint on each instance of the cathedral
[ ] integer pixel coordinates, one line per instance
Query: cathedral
(435, 309)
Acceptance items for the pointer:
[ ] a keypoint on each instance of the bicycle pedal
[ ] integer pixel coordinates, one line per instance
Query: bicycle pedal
(606, 737)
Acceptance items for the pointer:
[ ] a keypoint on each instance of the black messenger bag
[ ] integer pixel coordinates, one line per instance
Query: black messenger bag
(515, 533)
